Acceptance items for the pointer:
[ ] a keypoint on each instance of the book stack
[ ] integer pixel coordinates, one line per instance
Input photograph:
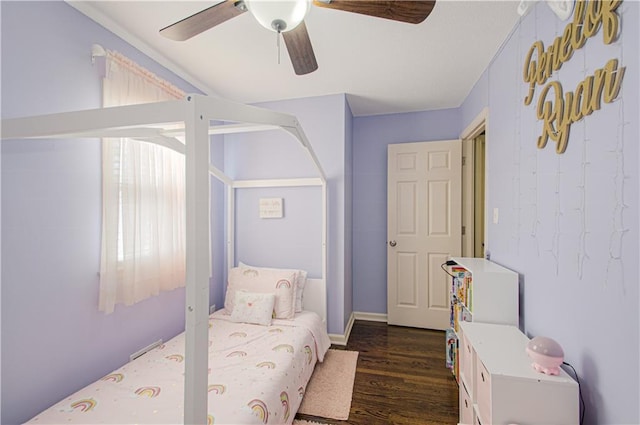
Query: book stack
(461, 297)
(460, 310)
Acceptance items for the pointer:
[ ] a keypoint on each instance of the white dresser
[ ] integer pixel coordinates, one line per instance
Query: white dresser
(499, 386)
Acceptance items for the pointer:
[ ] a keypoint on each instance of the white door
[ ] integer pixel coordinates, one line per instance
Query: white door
(423, 230)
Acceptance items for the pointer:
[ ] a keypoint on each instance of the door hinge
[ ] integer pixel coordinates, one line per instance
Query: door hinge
(464, 230)
(464, 160)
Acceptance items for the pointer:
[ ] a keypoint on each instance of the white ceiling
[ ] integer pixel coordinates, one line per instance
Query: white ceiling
(383, 66)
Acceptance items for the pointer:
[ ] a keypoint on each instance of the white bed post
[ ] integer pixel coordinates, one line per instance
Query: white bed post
(231, 225)
(198, 260)
(325, 223)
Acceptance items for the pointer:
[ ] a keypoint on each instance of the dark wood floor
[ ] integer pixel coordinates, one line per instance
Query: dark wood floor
(401, 377)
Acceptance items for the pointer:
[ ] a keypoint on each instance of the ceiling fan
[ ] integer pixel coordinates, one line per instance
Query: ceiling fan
(286, 17)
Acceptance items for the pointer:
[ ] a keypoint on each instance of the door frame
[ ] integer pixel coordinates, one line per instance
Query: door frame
(474, 129)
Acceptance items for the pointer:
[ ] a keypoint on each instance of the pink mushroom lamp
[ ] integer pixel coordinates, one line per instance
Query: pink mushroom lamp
(547, 355)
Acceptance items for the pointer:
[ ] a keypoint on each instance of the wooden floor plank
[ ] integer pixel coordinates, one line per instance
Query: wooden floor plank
(400, 379)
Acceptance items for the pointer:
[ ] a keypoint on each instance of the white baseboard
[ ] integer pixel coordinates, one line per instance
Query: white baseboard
(338, 339)
(370, 317)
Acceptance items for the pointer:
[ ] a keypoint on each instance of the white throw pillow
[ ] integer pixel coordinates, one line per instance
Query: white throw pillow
(256, 308)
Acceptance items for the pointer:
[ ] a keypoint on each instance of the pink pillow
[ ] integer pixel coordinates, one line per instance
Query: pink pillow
(301, 280)
(281, 283)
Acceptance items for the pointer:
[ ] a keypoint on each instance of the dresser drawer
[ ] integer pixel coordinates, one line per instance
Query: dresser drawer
(483, 392)
(466, 405)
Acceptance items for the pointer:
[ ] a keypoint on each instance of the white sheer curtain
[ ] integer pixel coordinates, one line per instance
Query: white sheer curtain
(143, 203)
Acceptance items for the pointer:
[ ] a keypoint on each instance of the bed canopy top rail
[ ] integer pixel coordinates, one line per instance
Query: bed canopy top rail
(147, 119)
(309, 181)
(157, 123)
(127, 121)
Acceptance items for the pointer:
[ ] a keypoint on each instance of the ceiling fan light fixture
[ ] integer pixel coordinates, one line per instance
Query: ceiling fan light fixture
(279, 15)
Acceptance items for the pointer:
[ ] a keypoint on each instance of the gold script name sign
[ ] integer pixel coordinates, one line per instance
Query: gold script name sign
(559, 111)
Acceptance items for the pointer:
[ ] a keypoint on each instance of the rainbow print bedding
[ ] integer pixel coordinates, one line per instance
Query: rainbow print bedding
(257, 375)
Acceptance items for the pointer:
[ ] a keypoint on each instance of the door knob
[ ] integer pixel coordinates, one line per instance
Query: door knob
(392, 243)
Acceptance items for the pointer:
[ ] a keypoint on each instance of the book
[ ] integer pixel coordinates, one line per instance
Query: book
(452, 348)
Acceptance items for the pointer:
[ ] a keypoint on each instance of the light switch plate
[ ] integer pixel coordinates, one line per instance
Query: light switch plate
(495, 216)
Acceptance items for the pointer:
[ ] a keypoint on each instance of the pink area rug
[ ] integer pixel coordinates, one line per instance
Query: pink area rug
(330, 389)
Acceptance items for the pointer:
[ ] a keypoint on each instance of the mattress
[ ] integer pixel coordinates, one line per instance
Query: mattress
(257, 375)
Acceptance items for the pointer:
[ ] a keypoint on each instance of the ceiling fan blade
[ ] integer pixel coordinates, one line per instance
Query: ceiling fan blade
(203, 20)
(300, 49)
(410, 11)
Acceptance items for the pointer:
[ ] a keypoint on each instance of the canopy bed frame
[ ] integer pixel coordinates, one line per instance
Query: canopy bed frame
(192, 117)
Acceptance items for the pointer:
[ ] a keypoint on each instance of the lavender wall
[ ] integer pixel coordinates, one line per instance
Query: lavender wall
(275, 155)
(51, 201)
(371, 135)
(569, 223)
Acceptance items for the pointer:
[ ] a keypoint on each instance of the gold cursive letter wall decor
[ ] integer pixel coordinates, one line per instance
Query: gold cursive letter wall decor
(561, 111)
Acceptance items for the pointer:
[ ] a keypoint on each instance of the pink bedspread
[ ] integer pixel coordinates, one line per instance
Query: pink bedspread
(257, 375)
